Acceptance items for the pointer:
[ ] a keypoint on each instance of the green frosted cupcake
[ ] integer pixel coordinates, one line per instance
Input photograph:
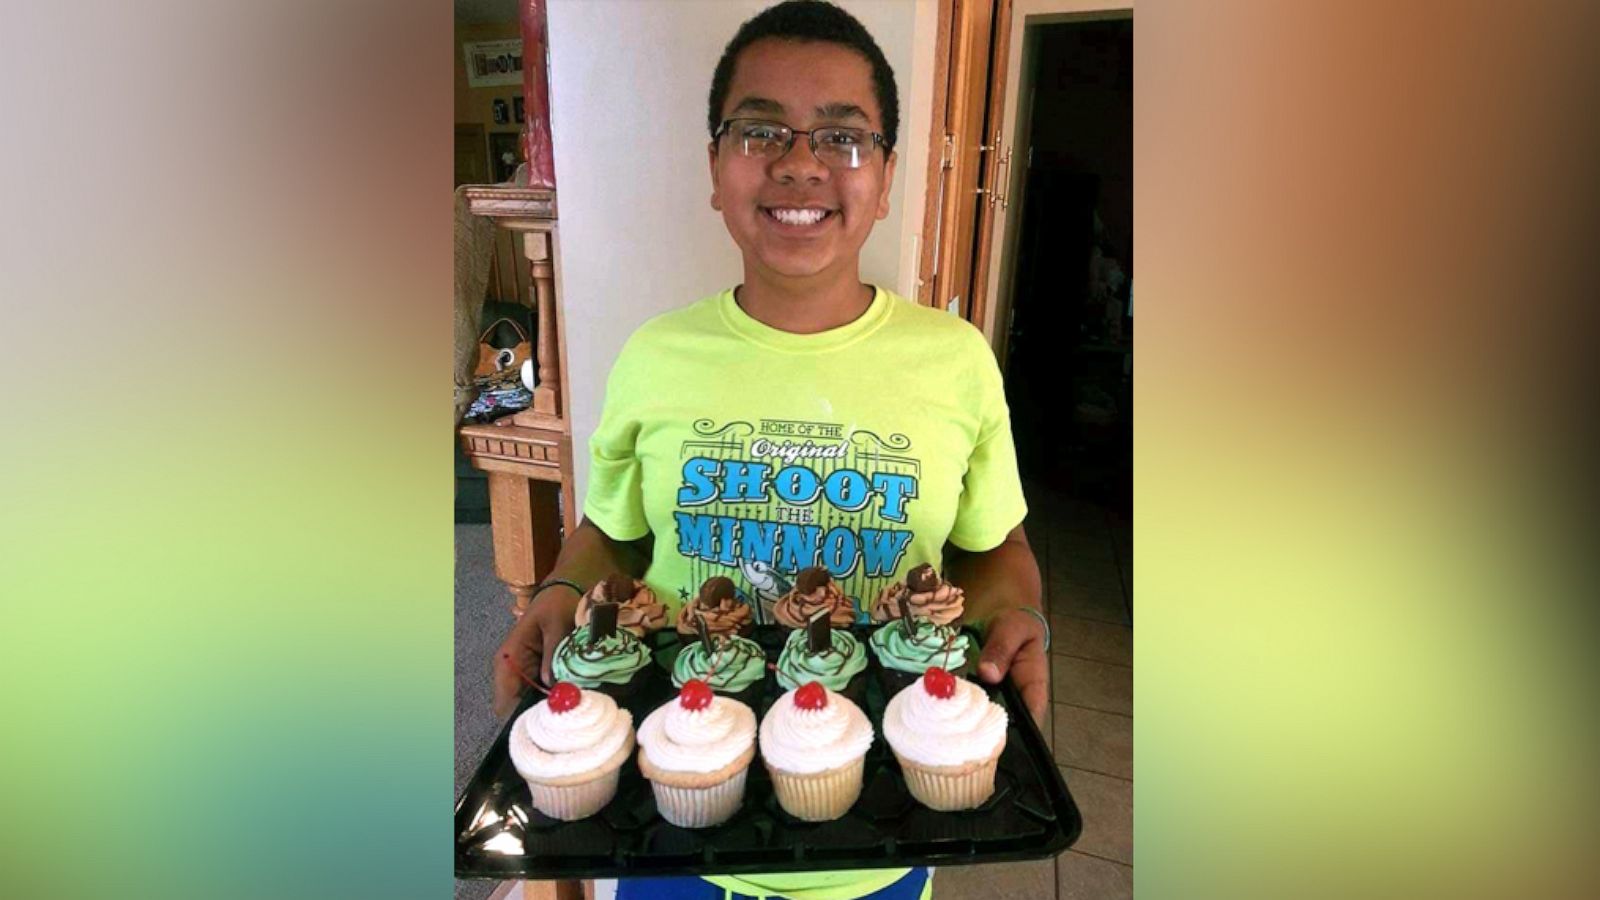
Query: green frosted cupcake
(737, 668)
(614, 665)
(903, 655)
(838, 667)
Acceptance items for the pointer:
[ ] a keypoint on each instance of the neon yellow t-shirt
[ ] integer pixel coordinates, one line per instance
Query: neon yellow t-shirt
(753, 453)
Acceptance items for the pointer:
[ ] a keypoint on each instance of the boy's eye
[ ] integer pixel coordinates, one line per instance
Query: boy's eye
(840, 138)
(761, 133)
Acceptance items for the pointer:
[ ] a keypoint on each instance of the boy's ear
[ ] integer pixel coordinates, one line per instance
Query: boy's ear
(716, 197)
(888, 183)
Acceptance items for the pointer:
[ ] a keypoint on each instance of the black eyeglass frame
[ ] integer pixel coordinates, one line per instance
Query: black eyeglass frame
(878, 140)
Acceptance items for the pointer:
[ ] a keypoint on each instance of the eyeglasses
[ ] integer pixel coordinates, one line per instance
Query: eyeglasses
(835, 146)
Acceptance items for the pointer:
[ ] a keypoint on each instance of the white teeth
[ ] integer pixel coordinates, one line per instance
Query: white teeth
(799, 216)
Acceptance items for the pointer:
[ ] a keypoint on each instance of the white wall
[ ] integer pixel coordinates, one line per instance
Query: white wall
(637, 234)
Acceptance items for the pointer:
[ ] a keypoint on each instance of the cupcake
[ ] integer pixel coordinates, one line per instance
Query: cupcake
(639, 611)
(923, 595)
(827, 655)
(947, 735)
(602, 656)
(814, 590)
(696, 750)
(569, 748)
(719, 604)
(814, 743)
(731, 665)
(905, 648)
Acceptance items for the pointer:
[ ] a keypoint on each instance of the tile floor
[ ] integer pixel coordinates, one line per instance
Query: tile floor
(1086, 559)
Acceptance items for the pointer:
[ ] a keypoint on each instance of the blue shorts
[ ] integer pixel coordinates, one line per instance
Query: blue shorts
(691, 888)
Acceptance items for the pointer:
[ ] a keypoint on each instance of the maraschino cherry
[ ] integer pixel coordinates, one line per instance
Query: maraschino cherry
(564, 696)
(939, 683)
(695, 694)
(811, 695)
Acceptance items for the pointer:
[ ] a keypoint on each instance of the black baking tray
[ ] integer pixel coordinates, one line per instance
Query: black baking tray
(1031, 815)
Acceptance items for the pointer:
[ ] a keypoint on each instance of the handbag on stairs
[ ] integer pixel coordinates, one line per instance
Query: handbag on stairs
(494, 360)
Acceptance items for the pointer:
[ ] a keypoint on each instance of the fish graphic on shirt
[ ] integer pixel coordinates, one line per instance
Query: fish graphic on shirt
(766, 586)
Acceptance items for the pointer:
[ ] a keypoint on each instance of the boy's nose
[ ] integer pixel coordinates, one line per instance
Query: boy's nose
(799, 163)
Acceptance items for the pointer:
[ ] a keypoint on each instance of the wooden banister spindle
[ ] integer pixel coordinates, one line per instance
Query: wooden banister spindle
(547, 396)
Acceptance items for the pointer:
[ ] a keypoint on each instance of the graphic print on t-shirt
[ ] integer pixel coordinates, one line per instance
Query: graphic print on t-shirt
(759, 502)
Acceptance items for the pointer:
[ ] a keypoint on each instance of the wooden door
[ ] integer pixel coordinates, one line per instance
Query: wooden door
(963, 166)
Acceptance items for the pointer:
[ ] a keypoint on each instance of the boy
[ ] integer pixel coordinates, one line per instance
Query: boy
(885, 421)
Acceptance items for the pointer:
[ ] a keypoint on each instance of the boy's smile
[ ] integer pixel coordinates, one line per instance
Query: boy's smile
(795, 217)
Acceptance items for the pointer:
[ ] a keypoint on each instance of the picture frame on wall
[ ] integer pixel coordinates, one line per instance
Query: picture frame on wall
(521, 110)
(492, 63)
(502, 114)
(504, 154)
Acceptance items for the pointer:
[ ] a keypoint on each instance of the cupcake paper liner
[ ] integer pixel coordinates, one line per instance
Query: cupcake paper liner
(951, 788)
(750, 696)
(688, 807)
(577, 801)
(698, 799)
(818, 796)
(575, 797)
(621, 692)
(855, 690)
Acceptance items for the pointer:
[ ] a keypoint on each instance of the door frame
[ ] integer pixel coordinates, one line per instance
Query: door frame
(1016, 132)
(963, 45)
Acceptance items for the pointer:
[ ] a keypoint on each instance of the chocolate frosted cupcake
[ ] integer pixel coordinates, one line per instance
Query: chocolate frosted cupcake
(731, 665)
(923, 595)
(906, 648)
(829, 656)
(639, 612)
(814, 589)
(602, 657)
(718, 603)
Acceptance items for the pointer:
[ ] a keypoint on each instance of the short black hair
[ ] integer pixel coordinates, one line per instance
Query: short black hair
(805, 21)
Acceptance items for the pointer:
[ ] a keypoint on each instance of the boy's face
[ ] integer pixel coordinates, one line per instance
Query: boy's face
(803, 86)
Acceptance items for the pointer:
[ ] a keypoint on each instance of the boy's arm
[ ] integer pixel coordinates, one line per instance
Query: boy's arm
(997, 584)
(587, 556)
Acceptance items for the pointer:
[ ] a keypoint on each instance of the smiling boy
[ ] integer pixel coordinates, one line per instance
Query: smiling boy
(800, 220)
(802, 418)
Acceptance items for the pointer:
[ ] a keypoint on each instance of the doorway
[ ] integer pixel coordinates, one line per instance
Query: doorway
(1063, 324)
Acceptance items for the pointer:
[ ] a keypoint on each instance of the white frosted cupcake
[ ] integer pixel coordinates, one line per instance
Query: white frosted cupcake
(813, 743)
(947, 735)
(696, 750)
(569, 748)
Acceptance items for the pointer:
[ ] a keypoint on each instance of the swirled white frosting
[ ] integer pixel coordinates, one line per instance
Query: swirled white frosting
(950, 731)
(803, 741)
(548, 744)
(697, 740)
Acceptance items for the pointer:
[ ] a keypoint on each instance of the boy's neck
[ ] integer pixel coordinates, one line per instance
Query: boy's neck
(804, 306)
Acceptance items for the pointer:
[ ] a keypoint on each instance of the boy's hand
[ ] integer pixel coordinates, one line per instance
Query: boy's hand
(1015, 645)
(531, 646)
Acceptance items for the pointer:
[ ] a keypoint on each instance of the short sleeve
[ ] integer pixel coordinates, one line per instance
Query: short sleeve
(614, 502)
(991, 491)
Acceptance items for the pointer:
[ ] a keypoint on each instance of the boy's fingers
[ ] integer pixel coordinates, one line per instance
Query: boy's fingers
(1006, 635)
(514, 664)
(507, 687)
(1036, 697)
